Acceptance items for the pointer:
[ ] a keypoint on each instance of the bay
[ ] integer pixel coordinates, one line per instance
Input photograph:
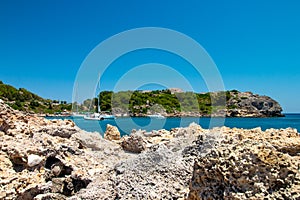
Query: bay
(126, 125)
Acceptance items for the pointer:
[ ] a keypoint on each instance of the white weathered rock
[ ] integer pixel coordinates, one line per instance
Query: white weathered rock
(34, 160)
(89, 140)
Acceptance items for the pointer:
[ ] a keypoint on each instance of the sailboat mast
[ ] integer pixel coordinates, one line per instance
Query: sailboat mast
(98, 96)
(76, 97)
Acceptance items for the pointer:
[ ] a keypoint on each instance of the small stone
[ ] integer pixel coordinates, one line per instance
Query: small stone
(112, 133)
(134, 143)
(56, 170)
(34, 160)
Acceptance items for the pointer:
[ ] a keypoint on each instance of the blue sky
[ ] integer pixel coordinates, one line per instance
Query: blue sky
(255, 44)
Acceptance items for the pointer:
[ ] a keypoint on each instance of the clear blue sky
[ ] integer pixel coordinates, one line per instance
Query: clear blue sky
(255, 44)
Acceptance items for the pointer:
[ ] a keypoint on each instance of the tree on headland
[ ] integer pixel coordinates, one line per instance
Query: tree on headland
(63, 102)
(34, 104)
(105, 100)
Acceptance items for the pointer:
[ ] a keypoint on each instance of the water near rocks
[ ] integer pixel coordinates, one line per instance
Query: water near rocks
(125, 125)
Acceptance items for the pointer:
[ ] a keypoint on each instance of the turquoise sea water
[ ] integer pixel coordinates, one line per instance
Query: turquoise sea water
(125, 125)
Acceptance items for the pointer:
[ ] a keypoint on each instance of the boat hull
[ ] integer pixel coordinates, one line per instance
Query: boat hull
(157, 116)
(99, 118)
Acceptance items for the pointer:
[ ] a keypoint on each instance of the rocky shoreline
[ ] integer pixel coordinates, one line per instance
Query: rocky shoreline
(53, 159)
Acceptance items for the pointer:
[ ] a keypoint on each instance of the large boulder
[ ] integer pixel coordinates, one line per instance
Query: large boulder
(249, 164)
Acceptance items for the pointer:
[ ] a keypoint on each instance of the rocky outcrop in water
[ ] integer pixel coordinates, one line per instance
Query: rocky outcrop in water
(43, 159)
(247, 104)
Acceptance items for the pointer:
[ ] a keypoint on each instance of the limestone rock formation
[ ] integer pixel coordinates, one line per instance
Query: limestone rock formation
(249, 164)
(161, 171)
(40, 158)
(155, 174)
(247, 104)
(53, 159)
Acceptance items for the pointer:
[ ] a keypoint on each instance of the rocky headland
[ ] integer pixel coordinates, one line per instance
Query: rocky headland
(43, 159)
(247, 104)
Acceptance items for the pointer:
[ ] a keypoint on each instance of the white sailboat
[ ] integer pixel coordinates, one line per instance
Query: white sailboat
(158, 116)
(77, 115)
(100, 115)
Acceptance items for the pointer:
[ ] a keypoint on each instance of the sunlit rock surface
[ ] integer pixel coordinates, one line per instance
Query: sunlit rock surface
(43, 159)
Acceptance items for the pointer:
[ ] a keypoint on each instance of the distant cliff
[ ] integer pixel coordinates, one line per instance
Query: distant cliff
(247, 104)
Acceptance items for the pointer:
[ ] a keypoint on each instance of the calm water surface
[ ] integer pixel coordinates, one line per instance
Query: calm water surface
(127, 124)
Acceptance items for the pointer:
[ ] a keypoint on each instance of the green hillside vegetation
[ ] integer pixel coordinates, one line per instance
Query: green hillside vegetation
(23, 100)
(133, 102)
(140, 102)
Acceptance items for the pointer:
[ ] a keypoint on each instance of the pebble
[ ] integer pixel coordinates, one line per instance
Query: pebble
(34, 160)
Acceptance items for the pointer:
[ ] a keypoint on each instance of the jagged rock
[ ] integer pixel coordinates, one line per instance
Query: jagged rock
(220, 163)
(248, 165)
(155, 174)
(193, 129)
(60, 128)
(134, 143)
(33, 154)
(112, 133)
(247, 104)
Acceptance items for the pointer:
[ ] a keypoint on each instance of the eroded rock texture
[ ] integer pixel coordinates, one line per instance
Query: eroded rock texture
(45, 159)
(249, 164)
(42, 159)
(247, 104)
